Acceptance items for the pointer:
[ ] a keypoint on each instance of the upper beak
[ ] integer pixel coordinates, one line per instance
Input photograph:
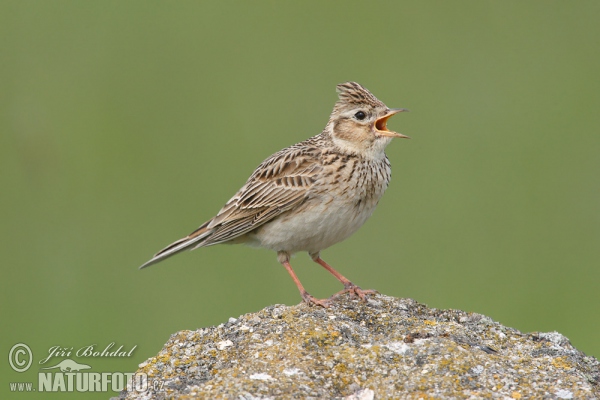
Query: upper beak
(381, 124)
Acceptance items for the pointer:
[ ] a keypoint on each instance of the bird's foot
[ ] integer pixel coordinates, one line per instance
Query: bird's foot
(311, 300)
(354, 290)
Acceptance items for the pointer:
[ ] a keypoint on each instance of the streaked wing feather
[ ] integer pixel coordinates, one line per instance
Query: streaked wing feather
(234, 228)
(279, 184)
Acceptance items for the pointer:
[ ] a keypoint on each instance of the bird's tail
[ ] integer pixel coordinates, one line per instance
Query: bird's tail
(193, 239)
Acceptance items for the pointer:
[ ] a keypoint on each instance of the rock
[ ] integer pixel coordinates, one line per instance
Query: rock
(383, 348)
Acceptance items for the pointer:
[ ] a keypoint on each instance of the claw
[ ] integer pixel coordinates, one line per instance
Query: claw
(354, 290)
(311, 300)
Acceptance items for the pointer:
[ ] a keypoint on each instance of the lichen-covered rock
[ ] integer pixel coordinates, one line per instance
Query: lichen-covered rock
(384, 348)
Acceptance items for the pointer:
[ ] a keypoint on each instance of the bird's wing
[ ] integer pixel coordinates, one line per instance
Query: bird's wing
(282, 182)
(279, 184)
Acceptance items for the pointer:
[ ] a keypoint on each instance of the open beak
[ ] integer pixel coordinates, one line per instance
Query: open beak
(381, 124)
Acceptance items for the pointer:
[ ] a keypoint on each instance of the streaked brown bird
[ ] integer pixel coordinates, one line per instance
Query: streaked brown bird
(311, 195)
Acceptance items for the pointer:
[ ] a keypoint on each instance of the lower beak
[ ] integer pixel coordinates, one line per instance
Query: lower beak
(381, 124)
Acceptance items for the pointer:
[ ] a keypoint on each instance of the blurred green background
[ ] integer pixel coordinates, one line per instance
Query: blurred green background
(125, 125)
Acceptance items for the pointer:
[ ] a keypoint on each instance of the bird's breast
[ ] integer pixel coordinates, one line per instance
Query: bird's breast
(339, 204)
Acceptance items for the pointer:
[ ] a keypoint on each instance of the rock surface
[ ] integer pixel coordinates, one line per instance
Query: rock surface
(384, 348)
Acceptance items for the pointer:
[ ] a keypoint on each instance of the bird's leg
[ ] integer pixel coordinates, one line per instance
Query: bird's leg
(308, 298)
(349, 287)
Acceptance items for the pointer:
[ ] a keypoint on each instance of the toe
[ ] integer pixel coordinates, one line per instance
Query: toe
(311, 300)
(354, 290)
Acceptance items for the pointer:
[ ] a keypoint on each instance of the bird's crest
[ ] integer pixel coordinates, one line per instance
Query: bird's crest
(354, 93)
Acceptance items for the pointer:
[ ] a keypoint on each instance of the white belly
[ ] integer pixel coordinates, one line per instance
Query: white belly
(329, 216)
(313, 227)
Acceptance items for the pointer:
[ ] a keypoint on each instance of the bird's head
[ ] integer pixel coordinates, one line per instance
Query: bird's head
(358, 122)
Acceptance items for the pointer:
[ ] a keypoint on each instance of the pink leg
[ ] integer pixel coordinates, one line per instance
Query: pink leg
(305, 295)
(349, 287)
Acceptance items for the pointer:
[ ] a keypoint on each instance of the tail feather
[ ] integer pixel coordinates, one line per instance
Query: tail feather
(192, 239)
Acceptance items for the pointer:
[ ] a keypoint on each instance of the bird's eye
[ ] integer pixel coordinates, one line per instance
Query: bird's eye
(360, 115)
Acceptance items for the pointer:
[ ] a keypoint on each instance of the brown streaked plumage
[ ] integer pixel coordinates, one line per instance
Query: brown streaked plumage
(311, 195)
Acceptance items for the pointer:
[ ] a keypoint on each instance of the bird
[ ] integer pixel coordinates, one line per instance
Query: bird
(311, 195)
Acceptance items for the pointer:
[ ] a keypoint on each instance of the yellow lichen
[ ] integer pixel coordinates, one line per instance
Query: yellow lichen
(561, 362)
